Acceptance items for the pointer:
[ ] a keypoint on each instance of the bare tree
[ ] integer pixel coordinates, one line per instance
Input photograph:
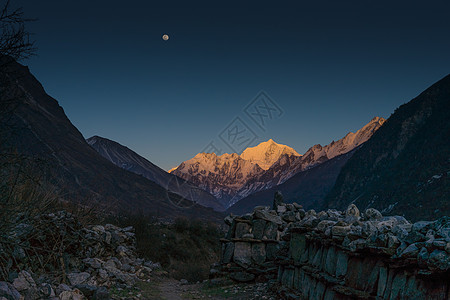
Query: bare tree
(15, 40)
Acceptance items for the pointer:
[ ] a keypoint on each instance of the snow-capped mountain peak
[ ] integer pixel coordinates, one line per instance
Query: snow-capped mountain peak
(267, 153)
(231, 177)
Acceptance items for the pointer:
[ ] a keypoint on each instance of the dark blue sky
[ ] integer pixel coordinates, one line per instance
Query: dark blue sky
(329, 65)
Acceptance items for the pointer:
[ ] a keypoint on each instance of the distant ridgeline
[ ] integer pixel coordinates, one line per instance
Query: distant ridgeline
(338, 254)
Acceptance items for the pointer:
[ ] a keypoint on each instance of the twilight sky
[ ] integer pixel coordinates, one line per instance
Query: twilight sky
(327, 66)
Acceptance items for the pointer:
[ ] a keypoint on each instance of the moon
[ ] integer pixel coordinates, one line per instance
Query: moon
(165, 37)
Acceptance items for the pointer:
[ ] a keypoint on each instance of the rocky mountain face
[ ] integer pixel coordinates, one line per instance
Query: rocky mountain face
(308, 187)
(232, 177)
(35, 126)
(129, 160)
(222, 176)
(405, 167)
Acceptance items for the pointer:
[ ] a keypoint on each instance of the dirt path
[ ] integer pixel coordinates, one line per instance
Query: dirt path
(164, 288)
(171, 289)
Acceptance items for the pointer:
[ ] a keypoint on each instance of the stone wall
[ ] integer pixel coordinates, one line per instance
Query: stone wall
(321, 269)
(338, 255)
(252, 243)
(342, 255)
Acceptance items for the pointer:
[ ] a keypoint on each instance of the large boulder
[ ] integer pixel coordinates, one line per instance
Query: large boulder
(242, 253)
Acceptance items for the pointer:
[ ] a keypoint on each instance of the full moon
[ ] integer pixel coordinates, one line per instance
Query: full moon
(165, 37)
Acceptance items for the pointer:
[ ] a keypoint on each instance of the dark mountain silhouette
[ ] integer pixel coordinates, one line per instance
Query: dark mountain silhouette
(129, 160)
(405, 167)
(36, 126)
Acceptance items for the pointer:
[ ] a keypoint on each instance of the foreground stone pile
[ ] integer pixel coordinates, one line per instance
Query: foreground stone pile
(338, 254)
(53, 257)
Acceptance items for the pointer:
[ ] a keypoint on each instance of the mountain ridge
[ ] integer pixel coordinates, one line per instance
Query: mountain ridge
(38, 128)
(129, 160)
(232, 182)
(408, 158)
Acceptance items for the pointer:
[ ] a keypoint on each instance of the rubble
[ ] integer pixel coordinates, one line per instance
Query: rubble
(69, 261)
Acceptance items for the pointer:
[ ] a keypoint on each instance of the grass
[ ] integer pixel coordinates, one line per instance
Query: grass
(185, 248)
(149, 290)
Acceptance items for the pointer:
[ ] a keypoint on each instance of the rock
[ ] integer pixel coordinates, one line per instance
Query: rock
(103, 274)
(439, 244)
(297, 206)
(87, 290)
(266, 215)
(94, 263)
(108, 237)
(98, 228)
(259, 253)
(62, 288)
(122, 251)
(184, 282)
(444, 233)
(301, 213)
(439, 260)
(340, 230)
(289, 217)
(334, 215)
(322, 215)
(101, 294)
(78, 278)
(241, 229)
(71, 295)
(352, 210)
(277, 199)
(228, 253)
(24, 281)
(311, 212)
(401, 231)
(270, 231)
(355, 232)
(128, 279)
(423, 256)
(8, 291)
(421, 226)
(281, 209)
(414, 237)
(400, 220)
(368, 228)
(371, 214)
(229, 219)
(386, 225)
(323, 225)
(242, 277)
(46, 291)
(126, 268)
(357, 245)
(258, 228)
(308, 220)
(242, 253)
(392, 241)
(447, 247)
(410, 251)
